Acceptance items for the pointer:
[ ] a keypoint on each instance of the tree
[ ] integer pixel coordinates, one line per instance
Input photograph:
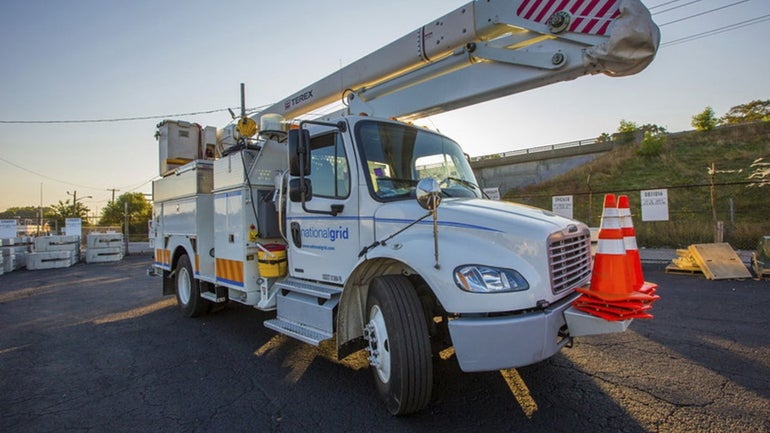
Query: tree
(64, 209)
(753, 111)
(705, 121)
(651, 145)
(139, 212)
(653, 129)
(627, 126)
(23, 212)
(626, 132)
(604, 138)
(653, 138)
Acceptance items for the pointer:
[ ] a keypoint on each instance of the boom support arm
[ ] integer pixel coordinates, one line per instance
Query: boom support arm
(484, 50)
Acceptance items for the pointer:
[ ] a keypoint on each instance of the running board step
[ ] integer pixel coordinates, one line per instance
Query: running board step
(318, 290)
(213, 297)
(218, 296)
(300, 332)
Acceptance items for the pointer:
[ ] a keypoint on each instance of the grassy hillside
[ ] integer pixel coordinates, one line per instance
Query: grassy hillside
(683, 168)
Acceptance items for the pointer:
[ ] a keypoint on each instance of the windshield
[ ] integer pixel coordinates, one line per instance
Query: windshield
(398, 156)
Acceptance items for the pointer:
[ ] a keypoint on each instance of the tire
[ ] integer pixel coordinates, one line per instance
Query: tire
(398, 345)
(188, 292)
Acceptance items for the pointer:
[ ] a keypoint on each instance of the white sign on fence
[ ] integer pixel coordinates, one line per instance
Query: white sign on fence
(73, 227)
(492, 193)
(654, 205)
(562, 205)
(8, 229)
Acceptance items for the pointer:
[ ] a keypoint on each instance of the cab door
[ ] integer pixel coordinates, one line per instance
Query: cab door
(324, 232)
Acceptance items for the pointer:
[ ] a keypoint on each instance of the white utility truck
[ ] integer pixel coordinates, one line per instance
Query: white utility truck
(373, 232)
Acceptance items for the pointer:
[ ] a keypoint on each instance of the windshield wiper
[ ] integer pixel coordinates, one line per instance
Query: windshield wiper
(462, 182)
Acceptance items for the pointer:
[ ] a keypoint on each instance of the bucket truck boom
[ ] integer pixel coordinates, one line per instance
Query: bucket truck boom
(486, 50)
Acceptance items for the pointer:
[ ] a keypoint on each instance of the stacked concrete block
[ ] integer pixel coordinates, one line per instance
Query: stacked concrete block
(104, 247)
(9, 262)
(13, 253)
(7, 255)
(54, 252)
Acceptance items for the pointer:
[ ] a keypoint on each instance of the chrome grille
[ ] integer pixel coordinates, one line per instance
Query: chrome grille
(569, 257)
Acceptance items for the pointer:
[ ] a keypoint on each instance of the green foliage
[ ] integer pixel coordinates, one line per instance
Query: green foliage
(753, 111)
(627, 126)
(655, 130)
(139, 212)
(62, 210)
(651, 145)
(626, 132)
(23, 212)
(705, 120)
(604, 138)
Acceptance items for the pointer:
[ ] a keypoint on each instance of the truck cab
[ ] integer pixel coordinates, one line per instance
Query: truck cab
(485, 265)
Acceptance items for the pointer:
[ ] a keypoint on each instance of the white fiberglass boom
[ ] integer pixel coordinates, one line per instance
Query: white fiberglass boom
(484, 50)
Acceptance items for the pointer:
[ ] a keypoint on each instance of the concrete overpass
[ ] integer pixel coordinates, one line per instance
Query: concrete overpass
(528, 166)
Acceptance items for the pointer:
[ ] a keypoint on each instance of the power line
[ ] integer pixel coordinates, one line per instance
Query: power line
(143, 183)
(663, 4)
(719, 30)
(703, 13)
(45, 176)
(129, 188)
(637, 189)
(119, 119)
(675, 7)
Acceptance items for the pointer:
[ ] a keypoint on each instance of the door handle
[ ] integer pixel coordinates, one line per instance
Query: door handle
(296, 234)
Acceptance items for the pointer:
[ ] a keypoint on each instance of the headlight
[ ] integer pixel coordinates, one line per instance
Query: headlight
(485, 279)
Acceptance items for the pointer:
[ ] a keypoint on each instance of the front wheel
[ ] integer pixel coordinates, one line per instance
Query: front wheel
(188, 292)
(398, 344)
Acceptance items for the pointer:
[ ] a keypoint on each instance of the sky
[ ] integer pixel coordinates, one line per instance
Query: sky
(109, 59)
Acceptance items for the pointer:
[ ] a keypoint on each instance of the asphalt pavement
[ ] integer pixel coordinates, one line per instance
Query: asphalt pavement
(96, 348)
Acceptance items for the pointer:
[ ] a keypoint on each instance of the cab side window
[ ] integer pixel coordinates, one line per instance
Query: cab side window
(330, 171)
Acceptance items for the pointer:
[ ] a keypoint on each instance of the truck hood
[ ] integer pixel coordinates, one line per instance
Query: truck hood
(478, 214)
(482, 232)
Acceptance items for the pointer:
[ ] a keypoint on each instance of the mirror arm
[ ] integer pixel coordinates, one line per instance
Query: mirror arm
(375, 244)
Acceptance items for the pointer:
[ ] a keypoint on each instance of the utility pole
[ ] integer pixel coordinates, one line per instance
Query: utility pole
(713, 173)
(125, 212)
(74, 202)
(40, 212)
(113, 194)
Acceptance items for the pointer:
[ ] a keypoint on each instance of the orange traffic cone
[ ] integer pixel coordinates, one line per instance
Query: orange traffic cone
(610, 278)
(633, 260)
(617, 291)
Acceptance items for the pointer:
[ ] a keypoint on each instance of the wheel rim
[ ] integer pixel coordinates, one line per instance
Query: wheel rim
(378, 346)
(184, 286)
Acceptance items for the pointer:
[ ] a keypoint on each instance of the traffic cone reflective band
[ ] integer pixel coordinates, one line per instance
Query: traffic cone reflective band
(613, 294)
(633, 260)
(609, 278)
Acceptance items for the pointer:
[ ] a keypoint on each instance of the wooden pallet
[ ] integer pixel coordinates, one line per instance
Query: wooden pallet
(719, 261)
(673, 269)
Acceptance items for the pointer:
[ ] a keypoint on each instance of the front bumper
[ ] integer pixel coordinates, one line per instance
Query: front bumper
(495, 343)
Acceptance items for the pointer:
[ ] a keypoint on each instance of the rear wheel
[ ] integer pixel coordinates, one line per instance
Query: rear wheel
(398, 344)
(188, 292)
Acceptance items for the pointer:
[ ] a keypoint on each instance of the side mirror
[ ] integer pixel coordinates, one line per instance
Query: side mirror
(299, 185)
(428, 194)
(299, 152)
